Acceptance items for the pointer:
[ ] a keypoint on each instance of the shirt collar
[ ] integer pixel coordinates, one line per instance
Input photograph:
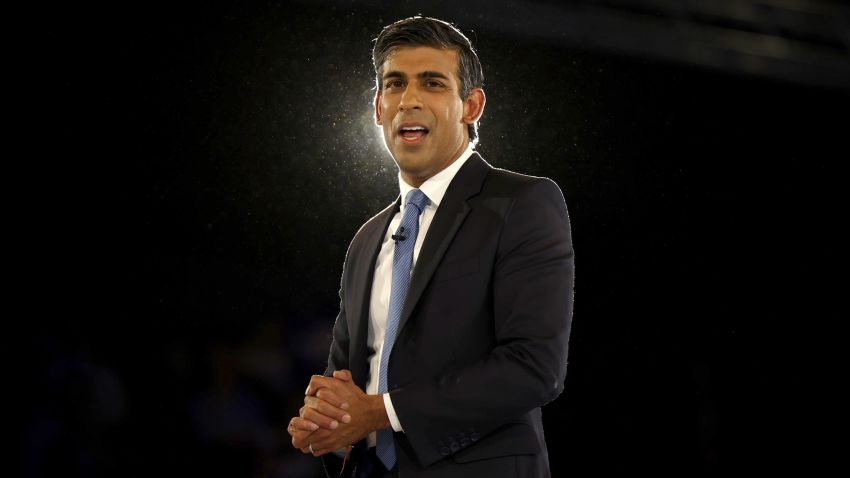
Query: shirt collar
(435, 187)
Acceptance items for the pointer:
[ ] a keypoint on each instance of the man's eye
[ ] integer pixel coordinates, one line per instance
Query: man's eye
(434, 84)
(393, 84)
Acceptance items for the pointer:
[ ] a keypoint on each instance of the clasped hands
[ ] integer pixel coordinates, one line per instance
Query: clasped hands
(335, 415)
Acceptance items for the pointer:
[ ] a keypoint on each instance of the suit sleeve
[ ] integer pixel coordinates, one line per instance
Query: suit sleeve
(338, 355)
(338, 360)
(532, 312)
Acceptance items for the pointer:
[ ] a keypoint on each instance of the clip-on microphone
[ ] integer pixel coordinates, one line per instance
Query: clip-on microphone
(400, 236)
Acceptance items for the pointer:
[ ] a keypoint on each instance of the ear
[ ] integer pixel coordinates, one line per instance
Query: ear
(378, 108)
(473, 107)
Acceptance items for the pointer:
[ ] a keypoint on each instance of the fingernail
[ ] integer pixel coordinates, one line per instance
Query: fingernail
(334, 424)
(313, 426)
(344, 406)
(307, 390)
(346, 418)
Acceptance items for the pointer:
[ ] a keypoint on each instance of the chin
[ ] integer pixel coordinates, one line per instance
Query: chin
(410, 161)
(413, 169)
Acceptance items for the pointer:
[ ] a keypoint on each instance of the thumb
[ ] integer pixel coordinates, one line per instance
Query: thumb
(343, 375)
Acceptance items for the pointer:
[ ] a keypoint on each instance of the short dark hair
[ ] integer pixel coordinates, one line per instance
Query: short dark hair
(425, 31)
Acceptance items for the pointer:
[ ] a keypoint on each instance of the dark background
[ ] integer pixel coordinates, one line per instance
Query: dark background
(204, 168)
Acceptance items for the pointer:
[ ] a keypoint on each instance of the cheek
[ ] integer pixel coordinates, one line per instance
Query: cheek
(386, 108)
(454, 112)
(386, 119)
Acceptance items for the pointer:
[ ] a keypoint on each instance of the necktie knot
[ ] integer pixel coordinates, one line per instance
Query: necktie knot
(417, 198)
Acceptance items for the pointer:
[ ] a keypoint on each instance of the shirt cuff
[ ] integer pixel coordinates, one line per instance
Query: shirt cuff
(388, 404)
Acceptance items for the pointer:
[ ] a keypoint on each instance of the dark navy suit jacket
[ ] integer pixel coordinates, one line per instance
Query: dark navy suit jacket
(482, 341)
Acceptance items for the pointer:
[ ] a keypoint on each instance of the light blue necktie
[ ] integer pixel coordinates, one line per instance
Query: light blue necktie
(402, 266)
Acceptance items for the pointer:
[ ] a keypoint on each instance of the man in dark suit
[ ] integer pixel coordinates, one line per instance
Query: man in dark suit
(456, 300)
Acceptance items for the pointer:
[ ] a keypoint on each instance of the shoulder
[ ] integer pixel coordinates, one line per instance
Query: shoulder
(521, 199)
(509, 184)
(372, 228)
(379, 219)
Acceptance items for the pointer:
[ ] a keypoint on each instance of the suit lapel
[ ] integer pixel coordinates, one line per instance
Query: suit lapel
(364, 276)
(450, 215)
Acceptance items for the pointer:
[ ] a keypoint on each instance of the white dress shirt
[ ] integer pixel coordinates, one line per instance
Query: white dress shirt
(435, 188)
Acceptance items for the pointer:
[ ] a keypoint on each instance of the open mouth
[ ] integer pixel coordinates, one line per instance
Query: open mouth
(412, 134)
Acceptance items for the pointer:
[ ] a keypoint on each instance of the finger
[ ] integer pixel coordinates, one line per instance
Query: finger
(301, 439)
(343, 375)
(317, 452)
(300, 424)
(327, 409)
(332, 397)
(322, 447)
(317, 382)
(323, 421)
(300, 442)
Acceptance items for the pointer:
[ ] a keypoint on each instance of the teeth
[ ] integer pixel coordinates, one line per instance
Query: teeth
(414, 128)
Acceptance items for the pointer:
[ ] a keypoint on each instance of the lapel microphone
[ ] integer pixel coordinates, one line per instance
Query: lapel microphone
(400, 236)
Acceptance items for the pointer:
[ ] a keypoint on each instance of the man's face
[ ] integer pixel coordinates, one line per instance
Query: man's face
(421, 112)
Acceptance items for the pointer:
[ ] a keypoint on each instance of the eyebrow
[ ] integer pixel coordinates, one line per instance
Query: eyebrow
(424, 74)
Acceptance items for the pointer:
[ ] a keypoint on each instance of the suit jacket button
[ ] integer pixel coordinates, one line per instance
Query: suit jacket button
(464, 442)
(444, 451)
(455, 446)
(474, 436)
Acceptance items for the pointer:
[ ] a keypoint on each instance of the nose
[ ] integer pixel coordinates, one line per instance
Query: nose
(410, 98)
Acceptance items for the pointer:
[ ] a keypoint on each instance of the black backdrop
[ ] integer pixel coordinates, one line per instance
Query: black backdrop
(210, 166)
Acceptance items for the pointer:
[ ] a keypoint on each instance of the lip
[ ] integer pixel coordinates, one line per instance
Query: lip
(410, 124)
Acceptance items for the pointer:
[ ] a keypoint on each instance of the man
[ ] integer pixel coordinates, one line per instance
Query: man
(456, 300)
